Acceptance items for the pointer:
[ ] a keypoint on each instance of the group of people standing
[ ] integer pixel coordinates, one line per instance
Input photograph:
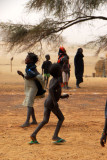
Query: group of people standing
(34, 87)
(63, 61)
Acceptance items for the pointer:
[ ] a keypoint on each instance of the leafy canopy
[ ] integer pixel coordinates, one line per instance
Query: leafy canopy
(58, 15)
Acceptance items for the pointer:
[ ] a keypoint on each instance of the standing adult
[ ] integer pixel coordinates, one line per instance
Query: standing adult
(65, 73)
(61, 56)
(79, 66)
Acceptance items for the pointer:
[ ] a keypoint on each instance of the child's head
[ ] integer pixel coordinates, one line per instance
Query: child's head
(55, 70)
(47, 57)
(31, 58)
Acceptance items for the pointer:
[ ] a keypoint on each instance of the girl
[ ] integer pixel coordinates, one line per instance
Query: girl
(33, 87)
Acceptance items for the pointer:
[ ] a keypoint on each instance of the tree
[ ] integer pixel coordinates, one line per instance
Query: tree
(59, 15)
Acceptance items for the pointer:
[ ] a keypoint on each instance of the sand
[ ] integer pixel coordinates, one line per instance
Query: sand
(82, 127)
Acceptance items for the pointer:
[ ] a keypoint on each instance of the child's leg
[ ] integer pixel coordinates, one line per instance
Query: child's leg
(63, 78)
(33, 117)
(67, 80)
(60, 116)
(45, 120)
(47, 78)
(66, 84)
(29, 113)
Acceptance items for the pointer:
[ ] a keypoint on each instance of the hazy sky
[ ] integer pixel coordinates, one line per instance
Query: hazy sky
(13, 10)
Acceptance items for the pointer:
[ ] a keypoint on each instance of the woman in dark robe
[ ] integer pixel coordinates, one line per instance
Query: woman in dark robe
(79, 66)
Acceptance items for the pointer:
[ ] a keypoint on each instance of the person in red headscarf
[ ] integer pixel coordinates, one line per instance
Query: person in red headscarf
(61, 56)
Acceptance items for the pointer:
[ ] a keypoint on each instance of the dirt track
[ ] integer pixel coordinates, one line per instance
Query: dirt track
(82, 128)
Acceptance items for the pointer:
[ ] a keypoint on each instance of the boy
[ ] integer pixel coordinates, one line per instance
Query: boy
(45, 69)
(51, 104)
(33, 87)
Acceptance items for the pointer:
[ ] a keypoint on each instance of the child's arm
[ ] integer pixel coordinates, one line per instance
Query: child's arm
(64, 96)
(20, 73)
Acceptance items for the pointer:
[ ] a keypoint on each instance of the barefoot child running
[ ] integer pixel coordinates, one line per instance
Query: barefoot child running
(51, 105)
(32, 87)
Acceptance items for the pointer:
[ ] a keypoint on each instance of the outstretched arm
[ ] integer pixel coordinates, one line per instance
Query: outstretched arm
(20, 73)
(64, 96)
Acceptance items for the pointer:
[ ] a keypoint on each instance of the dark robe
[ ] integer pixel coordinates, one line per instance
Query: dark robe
(79, 66)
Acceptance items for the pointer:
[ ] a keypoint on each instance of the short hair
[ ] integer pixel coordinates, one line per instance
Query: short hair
(33, 57)
(47, 57)
(55, 70)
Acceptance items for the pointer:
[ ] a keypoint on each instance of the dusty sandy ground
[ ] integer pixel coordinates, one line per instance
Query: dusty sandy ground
(82, 128)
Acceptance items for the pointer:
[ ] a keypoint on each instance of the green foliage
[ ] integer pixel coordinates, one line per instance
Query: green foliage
(61, 8)
(17, 33)
(30, 35)
(100, 43)
(65, 13)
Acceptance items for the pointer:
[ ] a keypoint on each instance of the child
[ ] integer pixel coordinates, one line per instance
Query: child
(45, 69)
(65, 73)
(51, 104)
(33, 87)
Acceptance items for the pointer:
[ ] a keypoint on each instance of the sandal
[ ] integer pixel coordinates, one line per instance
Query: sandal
(34, 142)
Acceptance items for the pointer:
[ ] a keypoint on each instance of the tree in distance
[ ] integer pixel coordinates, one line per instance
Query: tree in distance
(58, 15)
